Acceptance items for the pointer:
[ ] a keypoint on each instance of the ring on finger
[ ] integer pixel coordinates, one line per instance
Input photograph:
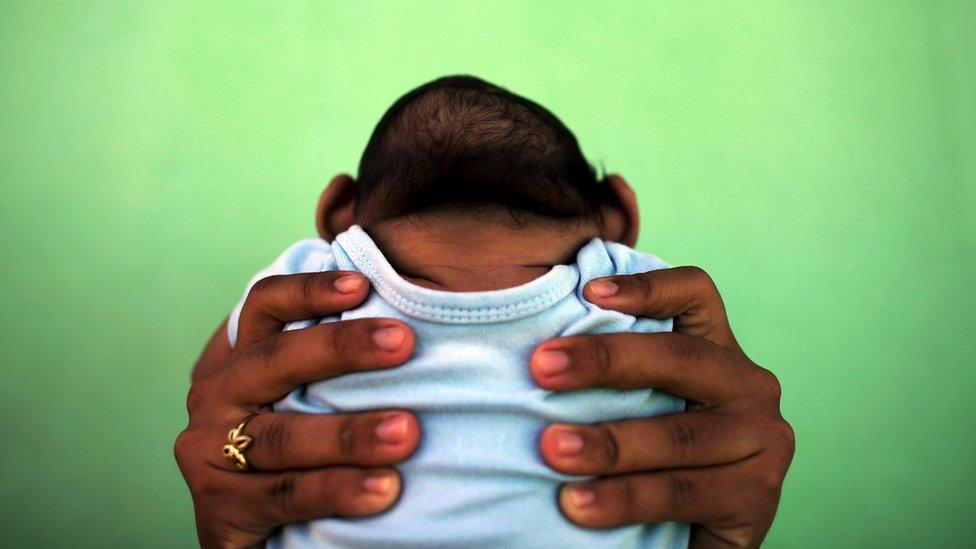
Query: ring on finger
(237, 442)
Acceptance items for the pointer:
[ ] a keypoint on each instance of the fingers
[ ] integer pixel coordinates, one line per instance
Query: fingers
(274, 367)
(703, 495)
(346, 492)
(641, 498)
(276, 300)
(682, 365)
(689, 439)
(300, 496)
(302, 441)
(686, 293)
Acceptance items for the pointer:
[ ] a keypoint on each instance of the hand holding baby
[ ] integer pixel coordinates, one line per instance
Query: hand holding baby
(306, 466)
(719, 465)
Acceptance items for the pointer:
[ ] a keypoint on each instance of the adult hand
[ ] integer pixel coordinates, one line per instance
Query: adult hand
(719, 465)
(301, 466)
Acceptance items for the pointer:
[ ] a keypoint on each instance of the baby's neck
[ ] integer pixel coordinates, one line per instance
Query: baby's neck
(470, 254)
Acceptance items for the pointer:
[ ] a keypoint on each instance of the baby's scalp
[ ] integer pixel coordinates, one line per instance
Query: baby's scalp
(460, 143)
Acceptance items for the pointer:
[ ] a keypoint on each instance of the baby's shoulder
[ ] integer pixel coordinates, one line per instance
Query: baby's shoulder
(600, 258)
(310, 255)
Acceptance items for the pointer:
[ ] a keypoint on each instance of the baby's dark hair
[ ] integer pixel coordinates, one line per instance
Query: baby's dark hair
(462, 141)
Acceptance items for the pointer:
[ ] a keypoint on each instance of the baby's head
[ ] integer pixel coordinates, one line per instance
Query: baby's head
(460, 146)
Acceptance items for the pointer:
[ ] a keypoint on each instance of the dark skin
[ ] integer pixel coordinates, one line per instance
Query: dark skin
(305, 466)
(719, 465)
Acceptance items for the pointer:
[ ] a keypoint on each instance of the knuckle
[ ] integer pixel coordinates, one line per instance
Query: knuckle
(183, 448)
(313, 286)
(682, 489)
(197, 396)
(629, 503)
(609, 434)
(267, 351)
(263, 287)
(770, 481)
(282, 492)
(197, 473)
(700, 277)
(275, 436)
(201, 481)
(760, 495)
(346, 436)
(338, 339)
(600, 357)
(683, 348)
(642, 283)
(769, 385)
(787, 437)
(759, 488)
(681, 436)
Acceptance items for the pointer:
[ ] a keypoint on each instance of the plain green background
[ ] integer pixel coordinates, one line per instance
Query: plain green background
(818, 158)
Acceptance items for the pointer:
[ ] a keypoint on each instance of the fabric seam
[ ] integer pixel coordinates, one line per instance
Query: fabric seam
(458, 314)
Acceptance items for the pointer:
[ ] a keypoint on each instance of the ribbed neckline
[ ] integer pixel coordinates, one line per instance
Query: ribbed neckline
(455, 307)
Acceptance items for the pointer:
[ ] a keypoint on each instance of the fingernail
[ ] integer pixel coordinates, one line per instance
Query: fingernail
(348, 284)
(392, 429)
(390, 338)
(378, 483)
(552, 362)
(603, 288)
(568, 442)
(580, 496)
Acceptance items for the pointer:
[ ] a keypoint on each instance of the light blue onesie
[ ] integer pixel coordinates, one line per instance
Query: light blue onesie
(477, 479)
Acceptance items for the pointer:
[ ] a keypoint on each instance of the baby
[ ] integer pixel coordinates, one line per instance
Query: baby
(478, 221)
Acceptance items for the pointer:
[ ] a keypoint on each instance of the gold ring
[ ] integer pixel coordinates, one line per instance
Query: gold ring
(237, 442)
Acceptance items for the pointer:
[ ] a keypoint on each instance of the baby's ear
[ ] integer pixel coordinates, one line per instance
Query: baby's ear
(621, 219)
(337, 207)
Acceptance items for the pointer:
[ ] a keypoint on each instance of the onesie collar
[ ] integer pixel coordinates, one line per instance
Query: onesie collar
(455, 307)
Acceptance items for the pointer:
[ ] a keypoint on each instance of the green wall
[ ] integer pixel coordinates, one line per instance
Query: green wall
(818, 158)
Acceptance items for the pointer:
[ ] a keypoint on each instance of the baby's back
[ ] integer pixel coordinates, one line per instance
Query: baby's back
(476, 479)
